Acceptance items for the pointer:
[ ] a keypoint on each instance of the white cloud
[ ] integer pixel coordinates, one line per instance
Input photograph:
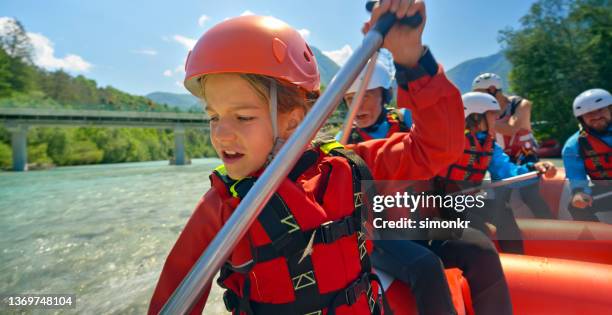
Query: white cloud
(203, 19)
(187, 42)
(247, 12)
(304, 32)
(43, 52)
(341, 55)
(149, 52)
(44, 56)
(178, 70)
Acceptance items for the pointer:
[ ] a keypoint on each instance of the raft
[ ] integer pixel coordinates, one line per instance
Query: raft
(538, 285)
(574, 240)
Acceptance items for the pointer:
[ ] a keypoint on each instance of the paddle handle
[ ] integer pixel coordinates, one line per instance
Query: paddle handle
(411, 21)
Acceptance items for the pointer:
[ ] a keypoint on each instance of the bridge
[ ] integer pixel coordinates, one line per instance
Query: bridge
(19, 120)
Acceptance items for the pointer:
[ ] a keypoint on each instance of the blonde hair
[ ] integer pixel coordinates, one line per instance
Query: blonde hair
(289, 95)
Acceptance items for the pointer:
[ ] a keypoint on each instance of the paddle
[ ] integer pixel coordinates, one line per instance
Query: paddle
(218, 251)
(500, 183)
(356, 103)
(601, 196)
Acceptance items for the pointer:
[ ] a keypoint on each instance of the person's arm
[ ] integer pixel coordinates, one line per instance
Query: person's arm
(405, 117)
(435, 140)
(501, 167)
(574, 166)
(520, 120)
(201, 228)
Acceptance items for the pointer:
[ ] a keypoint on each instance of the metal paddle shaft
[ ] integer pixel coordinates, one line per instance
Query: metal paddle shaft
(500, 183)
(218, 251)
(604, 195)
(358, 97)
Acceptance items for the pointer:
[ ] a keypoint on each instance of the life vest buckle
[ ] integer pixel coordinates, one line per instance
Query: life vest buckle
(356, 288)
(230, 300)
(331, 231)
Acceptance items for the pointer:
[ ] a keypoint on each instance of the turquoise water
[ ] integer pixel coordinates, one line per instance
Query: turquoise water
(101, 232)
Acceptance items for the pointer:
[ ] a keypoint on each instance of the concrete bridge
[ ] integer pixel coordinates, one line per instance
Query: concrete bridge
(19, 120)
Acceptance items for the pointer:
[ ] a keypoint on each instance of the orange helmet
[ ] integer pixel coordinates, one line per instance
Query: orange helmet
(256, 45)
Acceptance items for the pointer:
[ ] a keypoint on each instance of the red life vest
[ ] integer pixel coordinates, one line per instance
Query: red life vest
(395, 125)
(308, 250)
(597, 156)
(474, 162)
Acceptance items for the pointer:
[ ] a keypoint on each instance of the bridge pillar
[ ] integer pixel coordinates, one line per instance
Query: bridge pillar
(19, 142)
(179, 146)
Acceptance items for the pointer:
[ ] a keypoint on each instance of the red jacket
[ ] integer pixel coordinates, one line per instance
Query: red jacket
(435, 141)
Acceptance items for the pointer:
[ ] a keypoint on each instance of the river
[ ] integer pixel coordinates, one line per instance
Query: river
(101, 232)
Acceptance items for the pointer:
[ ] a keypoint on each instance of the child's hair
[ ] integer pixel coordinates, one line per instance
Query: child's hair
(473, 121)
(289, 96)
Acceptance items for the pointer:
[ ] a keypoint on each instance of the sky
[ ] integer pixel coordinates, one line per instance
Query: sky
(140, 46)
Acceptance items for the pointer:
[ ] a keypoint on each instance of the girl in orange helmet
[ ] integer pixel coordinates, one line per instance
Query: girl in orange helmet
(305, 253)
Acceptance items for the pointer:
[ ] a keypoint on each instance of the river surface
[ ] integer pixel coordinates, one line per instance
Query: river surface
(101, 232)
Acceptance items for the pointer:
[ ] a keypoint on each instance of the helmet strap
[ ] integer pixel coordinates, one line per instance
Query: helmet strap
(273, 104)
(381, 119)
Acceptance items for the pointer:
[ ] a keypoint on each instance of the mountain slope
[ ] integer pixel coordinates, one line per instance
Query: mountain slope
(184, 102)
(327, 67)
(464, 73)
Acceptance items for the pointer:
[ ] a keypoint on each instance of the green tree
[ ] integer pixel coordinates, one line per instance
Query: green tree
(6, 76)
(83, 152)
(37, 154)
(15, 41)
(561, 49)
(6, 156)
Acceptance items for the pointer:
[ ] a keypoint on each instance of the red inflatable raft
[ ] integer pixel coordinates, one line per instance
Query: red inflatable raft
(537, 286)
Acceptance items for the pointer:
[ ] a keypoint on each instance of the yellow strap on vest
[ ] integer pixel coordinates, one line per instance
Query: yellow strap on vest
(223, 172)
(221, 169)
(327, 147)
(233, 189)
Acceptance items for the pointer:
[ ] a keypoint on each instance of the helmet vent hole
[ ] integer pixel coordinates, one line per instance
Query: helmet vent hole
(309, 51)
(599, 100)
(306, 56)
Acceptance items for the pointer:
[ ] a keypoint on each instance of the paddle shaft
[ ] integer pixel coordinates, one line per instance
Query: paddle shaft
(601, 196)
(500, 183)
(347, 126)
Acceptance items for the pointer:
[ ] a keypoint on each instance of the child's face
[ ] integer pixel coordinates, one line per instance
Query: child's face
(370, 107)
(240, 124)
(488, 122)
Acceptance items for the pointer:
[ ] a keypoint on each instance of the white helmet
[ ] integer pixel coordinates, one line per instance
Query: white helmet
(486, 80)
(591, 100)
(381, 77)
(479, 103)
